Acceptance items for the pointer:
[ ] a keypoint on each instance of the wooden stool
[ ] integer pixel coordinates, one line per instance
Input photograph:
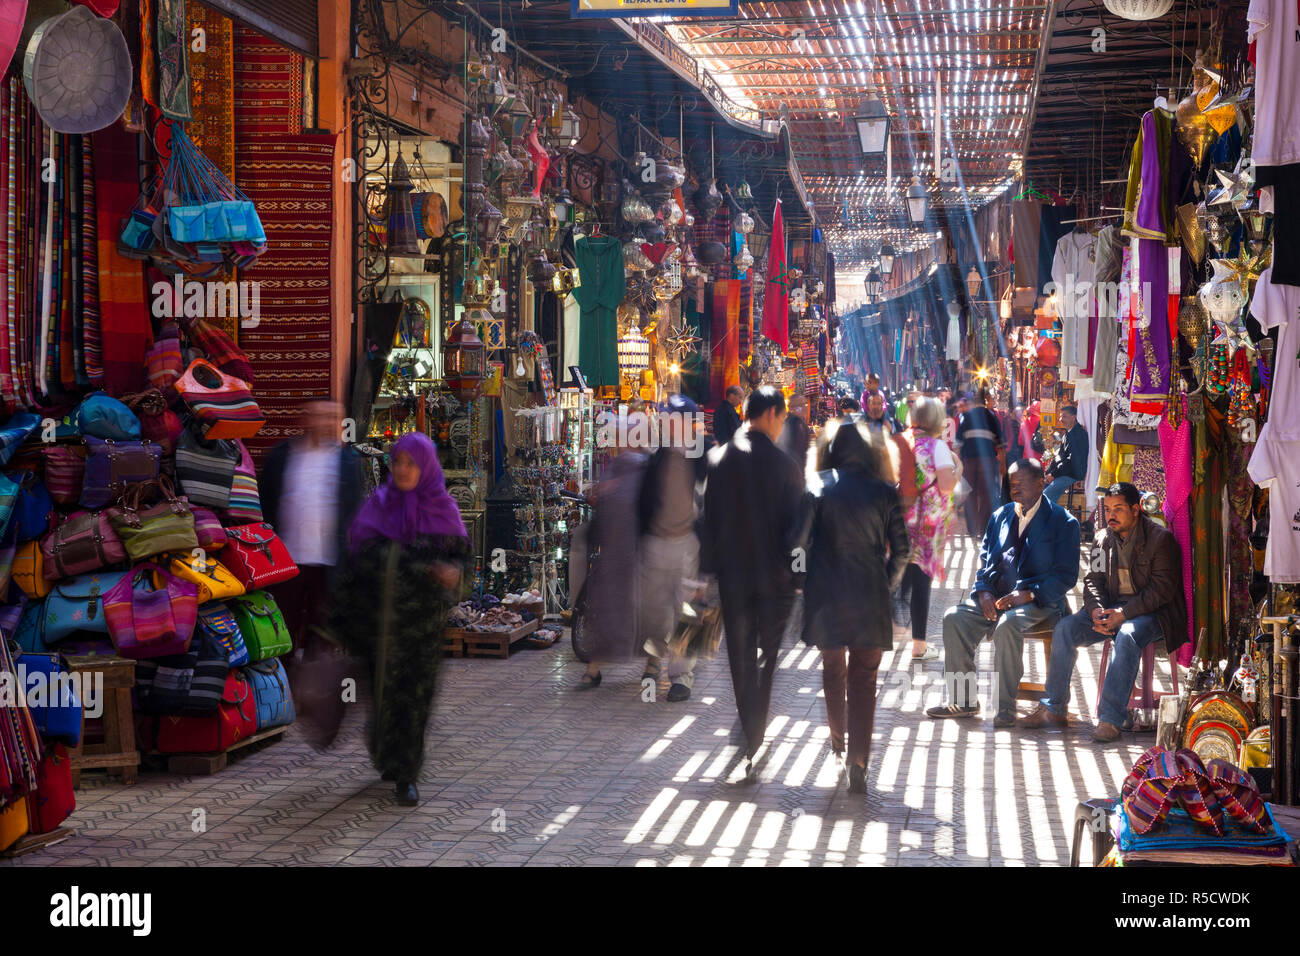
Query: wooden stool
(1031, 691)
(117, 753)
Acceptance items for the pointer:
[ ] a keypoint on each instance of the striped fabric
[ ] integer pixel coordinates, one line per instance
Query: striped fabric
(1163, 780)
(245, 501)
(92, 346)
(1237, 793)
(205, 477)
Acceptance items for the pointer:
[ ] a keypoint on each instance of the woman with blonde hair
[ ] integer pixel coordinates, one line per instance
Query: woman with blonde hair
(927, 517)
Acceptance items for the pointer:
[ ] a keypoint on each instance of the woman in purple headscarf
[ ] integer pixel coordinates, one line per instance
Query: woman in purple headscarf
(408, 549)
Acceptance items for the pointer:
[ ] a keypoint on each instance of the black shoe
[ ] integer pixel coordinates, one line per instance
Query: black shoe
(678, 693)
(390, 777)
(588, 682)
(1006, 717)
(857, 779)
(949, 711)
(407, 795)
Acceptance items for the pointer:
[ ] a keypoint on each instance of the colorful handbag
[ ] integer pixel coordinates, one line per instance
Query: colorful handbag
(32, 508)
(151, 613)
(158, 423)
(221, 403)
(257, 556)
(262, 625)
(166, 526)
(29, 634)
(65, 472)
(245, 500)
(235, 720)
(205, 469)
(51, 696)
(271, 693)
(105, 417)
(84, 542)
(217, 623)
(53, 800)
(209, 529)
(77, 605)
(112, 466)
(215, 583)
(8, 498)
(163, 362)
(28, 570)
(190, 684)
(13, 823)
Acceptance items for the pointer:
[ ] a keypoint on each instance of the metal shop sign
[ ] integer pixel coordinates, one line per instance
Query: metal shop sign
(653, 8)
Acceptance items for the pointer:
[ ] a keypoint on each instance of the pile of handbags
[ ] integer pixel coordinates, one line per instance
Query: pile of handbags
(135, 529)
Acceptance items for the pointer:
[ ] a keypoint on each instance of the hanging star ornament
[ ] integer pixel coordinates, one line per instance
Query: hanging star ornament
(680, 340)
(1235, 186)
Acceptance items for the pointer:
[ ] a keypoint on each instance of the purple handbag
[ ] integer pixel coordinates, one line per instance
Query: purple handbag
(151, 613)
(113, 465)
(65, 472)
(85, 542)
(208, 528)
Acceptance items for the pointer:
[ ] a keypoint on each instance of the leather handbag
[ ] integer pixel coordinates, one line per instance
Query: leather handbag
(84, 542)
(112, 466)
(257, 556)
(28, 570)
(209, 529)
(262, 625)
(217, 623)
(65, 472)
(271, 693)
(54, 799)
(14, 823)
(205, 469)
(32, 508)
(245, 500)
(235, 720)
(222, 404)
(77, 605)
(51, 696)
(151, 613)
(158, 423)
(215, 582)
(189, 684)
(105, 417)
(166, 526)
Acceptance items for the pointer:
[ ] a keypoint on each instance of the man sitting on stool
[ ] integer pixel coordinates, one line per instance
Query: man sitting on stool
(1071, 462)
(1028, 563)
(1133, 594)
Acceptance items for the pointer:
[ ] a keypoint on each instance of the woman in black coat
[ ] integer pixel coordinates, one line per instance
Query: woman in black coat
(857, 554)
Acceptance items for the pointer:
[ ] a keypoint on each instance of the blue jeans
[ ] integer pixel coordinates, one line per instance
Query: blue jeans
(1057, 487)
(1076, 631)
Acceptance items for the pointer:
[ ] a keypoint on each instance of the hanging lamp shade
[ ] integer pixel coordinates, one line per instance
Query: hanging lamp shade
(873, 126)
(463, 356)
(633, 352)
(887, 255)
(1139, 9)
(402, 238)
(874, 285)
(77, 71)
(917, 200)
(973, 283)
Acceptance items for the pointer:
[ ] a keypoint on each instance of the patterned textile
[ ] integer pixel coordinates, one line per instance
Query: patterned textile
(289, 178)
(1240, 565)
(268, 86)
(1162, 779)
(20, 745)
(746, 314)
(1238, 793)
(724, 341)
(1149, 469)
(718, 229)
(1207, 529)
(91, 352)
(8, 340)
(173, 38)
(929, 514)
(812, 384)
(1176, 447)
(212, 81)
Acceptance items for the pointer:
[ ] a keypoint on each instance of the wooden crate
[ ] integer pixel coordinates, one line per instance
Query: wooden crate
(453, 645)
(490, 643)
(205, 764)
(33, 842)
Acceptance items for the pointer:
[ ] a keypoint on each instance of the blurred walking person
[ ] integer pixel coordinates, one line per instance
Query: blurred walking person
(796, 436)
(407, 552)
(856, 556)
(980, 439)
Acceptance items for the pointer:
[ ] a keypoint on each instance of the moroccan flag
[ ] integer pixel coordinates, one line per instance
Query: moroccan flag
(776, 300)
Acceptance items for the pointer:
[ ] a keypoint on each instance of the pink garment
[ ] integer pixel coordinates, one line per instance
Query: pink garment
(1176, 447)
(1028, 427)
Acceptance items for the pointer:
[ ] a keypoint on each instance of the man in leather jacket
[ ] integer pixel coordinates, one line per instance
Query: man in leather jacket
(1133, 595)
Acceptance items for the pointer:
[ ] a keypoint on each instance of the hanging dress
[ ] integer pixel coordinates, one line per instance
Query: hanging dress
(600, 265)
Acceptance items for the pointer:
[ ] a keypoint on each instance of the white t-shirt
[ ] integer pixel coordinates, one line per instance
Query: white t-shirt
(1275, 465)
(942, 455)
(1278, 306)
(1271, 25)
(309, 512)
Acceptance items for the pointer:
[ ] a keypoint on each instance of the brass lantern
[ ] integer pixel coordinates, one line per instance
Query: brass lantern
(463, 358)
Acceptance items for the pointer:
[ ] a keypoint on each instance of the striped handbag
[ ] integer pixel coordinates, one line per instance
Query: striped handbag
(221, 403)
(245, 500)
(205, 469)
(151, 613)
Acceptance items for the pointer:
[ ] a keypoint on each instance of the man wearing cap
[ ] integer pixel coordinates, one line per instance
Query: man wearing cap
(668, 545)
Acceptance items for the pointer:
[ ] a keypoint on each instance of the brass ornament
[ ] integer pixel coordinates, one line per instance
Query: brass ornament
(1193, 128)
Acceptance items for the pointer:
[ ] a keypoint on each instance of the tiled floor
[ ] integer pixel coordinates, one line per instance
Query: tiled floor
(521, 769)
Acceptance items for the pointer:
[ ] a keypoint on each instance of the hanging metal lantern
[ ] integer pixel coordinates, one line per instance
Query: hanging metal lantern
(1139, 9)
(744, 223)
(744, 193)
(402, 239)
(488, 222)
(540, 270)
(463, 357)
(633, 352)
(707, 199)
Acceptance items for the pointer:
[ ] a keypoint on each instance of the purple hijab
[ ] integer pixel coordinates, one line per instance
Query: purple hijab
(404, 515)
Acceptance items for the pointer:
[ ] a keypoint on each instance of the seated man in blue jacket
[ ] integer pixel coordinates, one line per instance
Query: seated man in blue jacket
(1028, 563)
(1071, 462)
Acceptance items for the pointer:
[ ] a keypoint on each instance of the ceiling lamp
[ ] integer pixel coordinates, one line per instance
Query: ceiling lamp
(874, 285)
(887, 254)
(917, 199)
(873, 125)
(1139, 9)
(973, 283)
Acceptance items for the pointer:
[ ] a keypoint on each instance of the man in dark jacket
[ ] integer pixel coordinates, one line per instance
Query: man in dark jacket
(1133, 595)
(727, 417)
(979, 437)
(753, 510)
(1071, 462)
(1028, 564)
(311, 488)
(796, 435)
